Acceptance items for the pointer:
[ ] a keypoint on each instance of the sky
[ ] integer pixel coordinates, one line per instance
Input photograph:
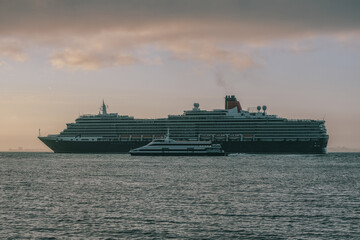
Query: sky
(148, 59)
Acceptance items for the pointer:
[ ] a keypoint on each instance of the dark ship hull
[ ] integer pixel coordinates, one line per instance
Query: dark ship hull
(314, 146)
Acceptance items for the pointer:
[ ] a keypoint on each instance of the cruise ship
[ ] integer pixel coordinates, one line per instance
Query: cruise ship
(237, 130)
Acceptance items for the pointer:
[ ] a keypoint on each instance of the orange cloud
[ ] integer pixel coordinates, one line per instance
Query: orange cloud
(209, 53)
(82, 60)
(12, 51)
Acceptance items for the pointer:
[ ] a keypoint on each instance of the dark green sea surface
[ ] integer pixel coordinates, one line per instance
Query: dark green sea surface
(117, 196)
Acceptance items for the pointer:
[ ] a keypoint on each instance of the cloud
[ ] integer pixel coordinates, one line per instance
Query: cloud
(262, 17)
(349, 39)
(189, 30)
(77, 59)
(12, 51)
(209, 53)
(298, 48)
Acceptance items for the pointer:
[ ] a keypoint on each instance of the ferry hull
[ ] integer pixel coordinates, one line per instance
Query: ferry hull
(177, 154)
(317, 146)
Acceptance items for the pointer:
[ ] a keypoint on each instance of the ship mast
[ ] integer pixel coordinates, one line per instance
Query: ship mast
(103, 108)
(167, 137)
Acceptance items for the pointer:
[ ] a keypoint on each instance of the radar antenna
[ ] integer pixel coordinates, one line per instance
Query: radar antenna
(196, 107)
(264, 108)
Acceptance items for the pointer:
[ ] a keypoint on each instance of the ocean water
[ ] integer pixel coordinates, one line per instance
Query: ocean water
(118, 196)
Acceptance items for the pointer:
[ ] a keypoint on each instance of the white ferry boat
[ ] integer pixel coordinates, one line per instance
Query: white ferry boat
(170, 147)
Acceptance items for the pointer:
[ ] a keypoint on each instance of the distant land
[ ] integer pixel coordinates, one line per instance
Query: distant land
(21, 149)
(342, 149)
